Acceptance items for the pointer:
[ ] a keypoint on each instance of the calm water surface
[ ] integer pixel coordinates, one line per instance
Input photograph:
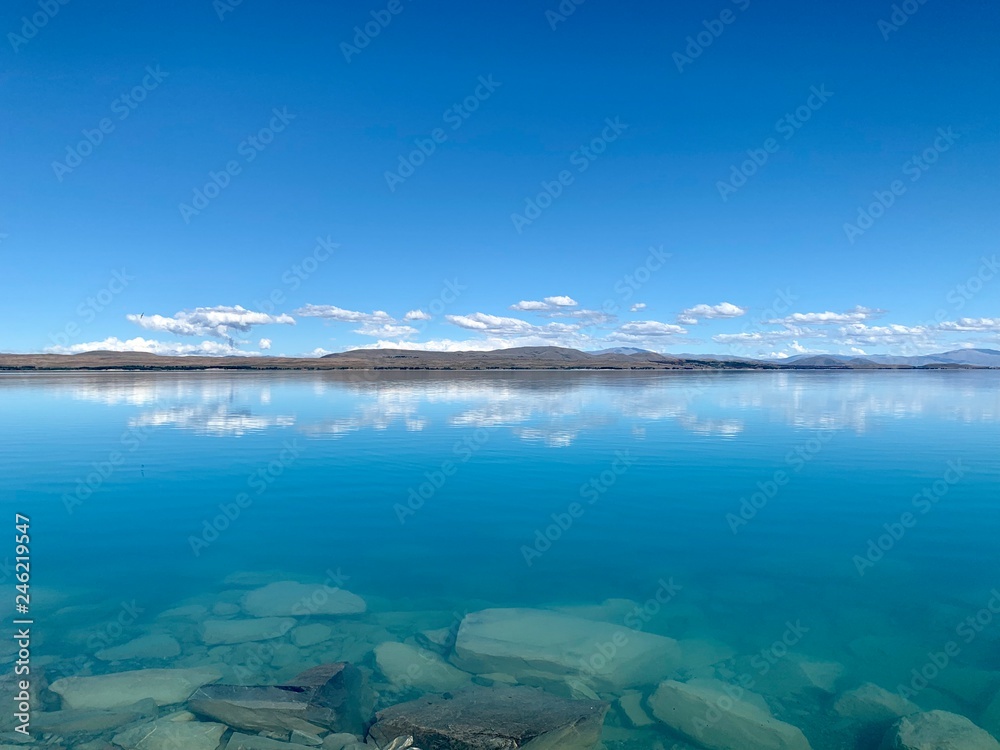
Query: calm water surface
(861, 507)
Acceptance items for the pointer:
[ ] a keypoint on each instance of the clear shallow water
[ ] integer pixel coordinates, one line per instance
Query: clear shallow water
(435, 496)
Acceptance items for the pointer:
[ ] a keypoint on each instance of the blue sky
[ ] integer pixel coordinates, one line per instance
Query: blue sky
(723, 176)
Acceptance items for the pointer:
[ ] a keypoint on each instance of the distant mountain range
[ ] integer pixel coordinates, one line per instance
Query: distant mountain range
(974, 357)
(521, 358)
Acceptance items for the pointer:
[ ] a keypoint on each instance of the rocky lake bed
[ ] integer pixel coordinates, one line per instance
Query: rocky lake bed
(265, 662)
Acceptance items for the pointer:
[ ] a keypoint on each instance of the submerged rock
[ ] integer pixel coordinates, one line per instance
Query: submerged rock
(332, 697)
(214, 632)
(871, 704)
(240, 741)
(541, 647)
(88, 720)
(338, 741)
(991, 717)
(630, 705)
(311, 634)
(255, 708)
(166, 734)
(498, 718)
(938, 730)
(720, 716)
(289, 598)
(120, 689)
(408, 667)
(187, 612)
(795, 674)
(157, 646)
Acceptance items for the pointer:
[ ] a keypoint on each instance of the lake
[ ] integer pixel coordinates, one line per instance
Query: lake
(803, 536)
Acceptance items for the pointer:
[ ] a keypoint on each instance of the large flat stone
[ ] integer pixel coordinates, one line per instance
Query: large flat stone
(480, 718)
(215, 632)
(540, 647)
(156, 646)
(166, 734)
(293, 599)
(871, 704)
(331, 697)
(240, 741)
(311, 634)
(938, 730)
(254, 708)
(991, 717)
(407, 667)
(165, 686)
(719, 716)
(88, 720)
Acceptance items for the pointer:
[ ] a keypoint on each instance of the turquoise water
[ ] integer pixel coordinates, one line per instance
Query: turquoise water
(861, 506)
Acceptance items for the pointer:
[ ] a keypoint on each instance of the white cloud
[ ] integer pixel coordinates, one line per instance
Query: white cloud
(859, 334)
(450, 345)
(378, 323)
(332, 312)
(561, 301)
(857, 315)
(264, 344)
(754, 337)
(861, 352)
(492, 323)
(529, 305)
(586, 317)
(793, 349)
(971, 324)
(151, 346)
(692, 315)
(549, 303)
(385, 329)
(637, 307)
(642, 329)
(220, 321)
